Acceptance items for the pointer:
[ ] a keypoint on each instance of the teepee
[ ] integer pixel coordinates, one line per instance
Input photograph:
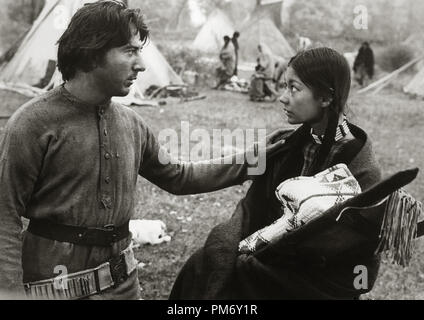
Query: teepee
(37, 52)
(260, 28)
(34, 62)
(416, 86)
(210, 36)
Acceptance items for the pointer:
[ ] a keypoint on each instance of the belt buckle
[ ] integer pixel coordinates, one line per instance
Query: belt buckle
(109, 227)
(130, 260)
(112, 236)
(122, 266)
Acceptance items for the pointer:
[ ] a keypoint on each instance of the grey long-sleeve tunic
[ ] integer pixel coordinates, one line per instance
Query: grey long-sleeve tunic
(77, 164)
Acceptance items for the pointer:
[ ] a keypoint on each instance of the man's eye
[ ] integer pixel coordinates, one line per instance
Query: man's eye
(133, 51)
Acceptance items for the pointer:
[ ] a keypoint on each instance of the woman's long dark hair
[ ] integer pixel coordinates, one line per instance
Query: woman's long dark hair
(327, 73)
(93, 30)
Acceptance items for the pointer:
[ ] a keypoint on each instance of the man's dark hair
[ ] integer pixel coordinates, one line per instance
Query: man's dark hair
(94, 29)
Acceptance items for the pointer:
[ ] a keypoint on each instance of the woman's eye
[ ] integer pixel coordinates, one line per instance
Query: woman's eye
(294, 89)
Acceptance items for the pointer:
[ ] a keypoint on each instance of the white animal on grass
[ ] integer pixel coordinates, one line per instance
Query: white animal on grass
(148, 232)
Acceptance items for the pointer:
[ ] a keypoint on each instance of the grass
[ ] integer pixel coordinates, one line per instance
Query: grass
(393, 121)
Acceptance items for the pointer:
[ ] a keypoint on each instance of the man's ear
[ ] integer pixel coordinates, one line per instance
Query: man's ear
(94, 63)
(97, 62)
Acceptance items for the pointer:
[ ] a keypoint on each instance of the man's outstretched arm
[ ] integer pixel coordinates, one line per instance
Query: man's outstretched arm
(184, 177)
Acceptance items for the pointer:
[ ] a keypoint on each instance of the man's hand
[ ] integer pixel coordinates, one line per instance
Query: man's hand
(274, 141)
(257, 154)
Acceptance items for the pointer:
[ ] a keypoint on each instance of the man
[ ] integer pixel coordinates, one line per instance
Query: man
(234, 40)
(69, 162)
(364, 64)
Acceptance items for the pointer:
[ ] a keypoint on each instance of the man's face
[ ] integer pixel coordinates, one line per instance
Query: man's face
(119, 67)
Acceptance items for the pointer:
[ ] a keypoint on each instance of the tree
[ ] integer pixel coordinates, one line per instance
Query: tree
(16, 18)
(176, 19)
(25, 10)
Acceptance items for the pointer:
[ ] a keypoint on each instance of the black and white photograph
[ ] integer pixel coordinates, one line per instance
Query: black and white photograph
(224, 152)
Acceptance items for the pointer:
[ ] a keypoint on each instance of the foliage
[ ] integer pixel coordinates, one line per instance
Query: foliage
(16, 18)
(394, 57)
(321, 20)
(25, 10)
(158, 13)
(184, 58)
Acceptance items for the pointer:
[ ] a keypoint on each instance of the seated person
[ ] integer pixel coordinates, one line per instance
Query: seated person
(316, 89)
(280, 68)
(256, 88)
(260, 89)
(226, 70)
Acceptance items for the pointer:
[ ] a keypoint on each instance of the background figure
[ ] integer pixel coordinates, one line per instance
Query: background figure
(257, 90)
(234, 40)
(266, 62)
(364, 64)
(280, 68)
(304, 43)
(226, 70)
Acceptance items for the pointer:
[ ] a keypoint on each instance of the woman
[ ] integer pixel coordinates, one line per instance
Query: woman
(322, 265)
(226, 70)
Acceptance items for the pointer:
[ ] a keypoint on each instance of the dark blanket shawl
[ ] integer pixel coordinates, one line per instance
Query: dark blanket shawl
(320, 266)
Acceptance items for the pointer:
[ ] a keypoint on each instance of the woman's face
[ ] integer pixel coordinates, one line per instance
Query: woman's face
(299, 103)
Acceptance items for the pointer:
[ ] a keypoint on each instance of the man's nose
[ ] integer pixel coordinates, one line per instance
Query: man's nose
(139, 65)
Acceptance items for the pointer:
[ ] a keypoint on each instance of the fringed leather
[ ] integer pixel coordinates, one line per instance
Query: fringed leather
(399, 227)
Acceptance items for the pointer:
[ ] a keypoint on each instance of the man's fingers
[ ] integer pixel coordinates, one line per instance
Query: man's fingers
(274, 146)
(281, 130)
(278, 135)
